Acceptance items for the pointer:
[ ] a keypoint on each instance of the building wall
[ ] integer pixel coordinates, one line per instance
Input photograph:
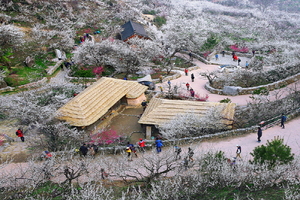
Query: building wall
(136, 101)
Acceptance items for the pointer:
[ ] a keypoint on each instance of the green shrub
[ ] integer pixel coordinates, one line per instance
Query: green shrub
(159, 21)
(275, 152)
(210, 43)
(261, 91)
(227, 100)
(84, 73)
(149, 12)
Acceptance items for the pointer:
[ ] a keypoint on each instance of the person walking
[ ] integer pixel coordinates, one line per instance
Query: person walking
(169, 83)
(186, 163)
(132, 148)
(187, 86)
(239, 61)
(104, 174)
(190, 154)
(191, 56)
(186, 71)
(192, 92)
(177, 152)
(259, 134)
(83, 149)
(20, 134)
(283, 119)
(142, 145)
(223, 53)
(144, 104)
(247, 65)
(238, 151)
(192, 77)
(158, 144)
(128, 151)
(217, 56)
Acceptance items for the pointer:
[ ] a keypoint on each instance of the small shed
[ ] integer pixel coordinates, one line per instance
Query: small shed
(133, 29)
(159, 111)
(99, 99)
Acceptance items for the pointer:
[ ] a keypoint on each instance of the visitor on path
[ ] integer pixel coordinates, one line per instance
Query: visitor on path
(91, 151)
(144, 104)
(104, 174)
(169, 83)
(20, 134)
(132, 148)
(283, 119)
(95, 147)
(160, 78)
(253, 52)
(187, 86)
(142, 145)
(128, 151)
(83, 149)
(192, 77)
(161, 88)
(158, 144)
(191, 56)
(186, 71)
(190, 154)
(239, 61)
(177, 152)
(186, 163)
(192, 92)
(217, 56)
(223, 53)
(238, 151)
(247, 65)
(235, 58)
(47, 155)
(259, 134)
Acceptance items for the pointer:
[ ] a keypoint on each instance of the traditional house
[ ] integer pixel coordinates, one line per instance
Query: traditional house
(160, 111)
(100, 99)
(133, 29)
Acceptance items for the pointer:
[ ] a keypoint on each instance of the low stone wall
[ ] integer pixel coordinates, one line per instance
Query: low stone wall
(29, 85)
(52, 69)
(38, 83)
(270, 87)
(69, 78)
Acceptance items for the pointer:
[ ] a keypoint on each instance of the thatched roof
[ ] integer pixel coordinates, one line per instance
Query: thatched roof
(160, 111)
(92, 103)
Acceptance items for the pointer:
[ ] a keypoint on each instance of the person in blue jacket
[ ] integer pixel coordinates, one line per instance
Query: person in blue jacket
(158, 144)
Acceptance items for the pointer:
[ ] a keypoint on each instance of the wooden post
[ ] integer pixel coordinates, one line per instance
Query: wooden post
(148, 132)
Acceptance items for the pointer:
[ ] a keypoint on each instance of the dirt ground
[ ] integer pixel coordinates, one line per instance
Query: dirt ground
(126, 123)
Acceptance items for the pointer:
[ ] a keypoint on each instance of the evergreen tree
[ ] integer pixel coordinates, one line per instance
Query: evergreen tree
(275, 152)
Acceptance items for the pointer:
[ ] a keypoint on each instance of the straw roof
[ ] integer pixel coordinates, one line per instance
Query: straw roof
(92, 103)
(159, 111)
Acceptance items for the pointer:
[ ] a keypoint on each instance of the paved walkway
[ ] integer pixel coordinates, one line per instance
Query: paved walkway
(200, 81)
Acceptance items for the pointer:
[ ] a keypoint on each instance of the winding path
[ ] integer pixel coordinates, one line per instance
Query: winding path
(200, 81)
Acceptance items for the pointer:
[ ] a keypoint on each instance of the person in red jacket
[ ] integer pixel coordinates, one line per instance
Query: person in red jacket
(20, 134)
(142, 145)
(186, 71)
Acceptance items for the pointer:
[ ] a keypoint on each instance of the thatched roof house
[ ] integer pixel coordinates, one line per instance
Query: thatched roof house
(159, 111)
(100, 98)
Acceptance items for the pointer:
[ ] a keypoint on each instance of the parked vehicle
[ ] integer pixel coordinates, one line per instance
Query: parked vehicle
(228, 68)
(151, 85)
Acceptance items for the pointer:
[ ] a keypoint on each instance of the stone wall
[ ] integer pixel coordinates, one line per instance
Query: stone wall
(270, 87)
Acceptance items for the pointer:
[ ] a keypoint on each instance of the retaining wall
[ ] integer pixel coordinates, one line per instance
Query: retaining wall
(270, 87)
